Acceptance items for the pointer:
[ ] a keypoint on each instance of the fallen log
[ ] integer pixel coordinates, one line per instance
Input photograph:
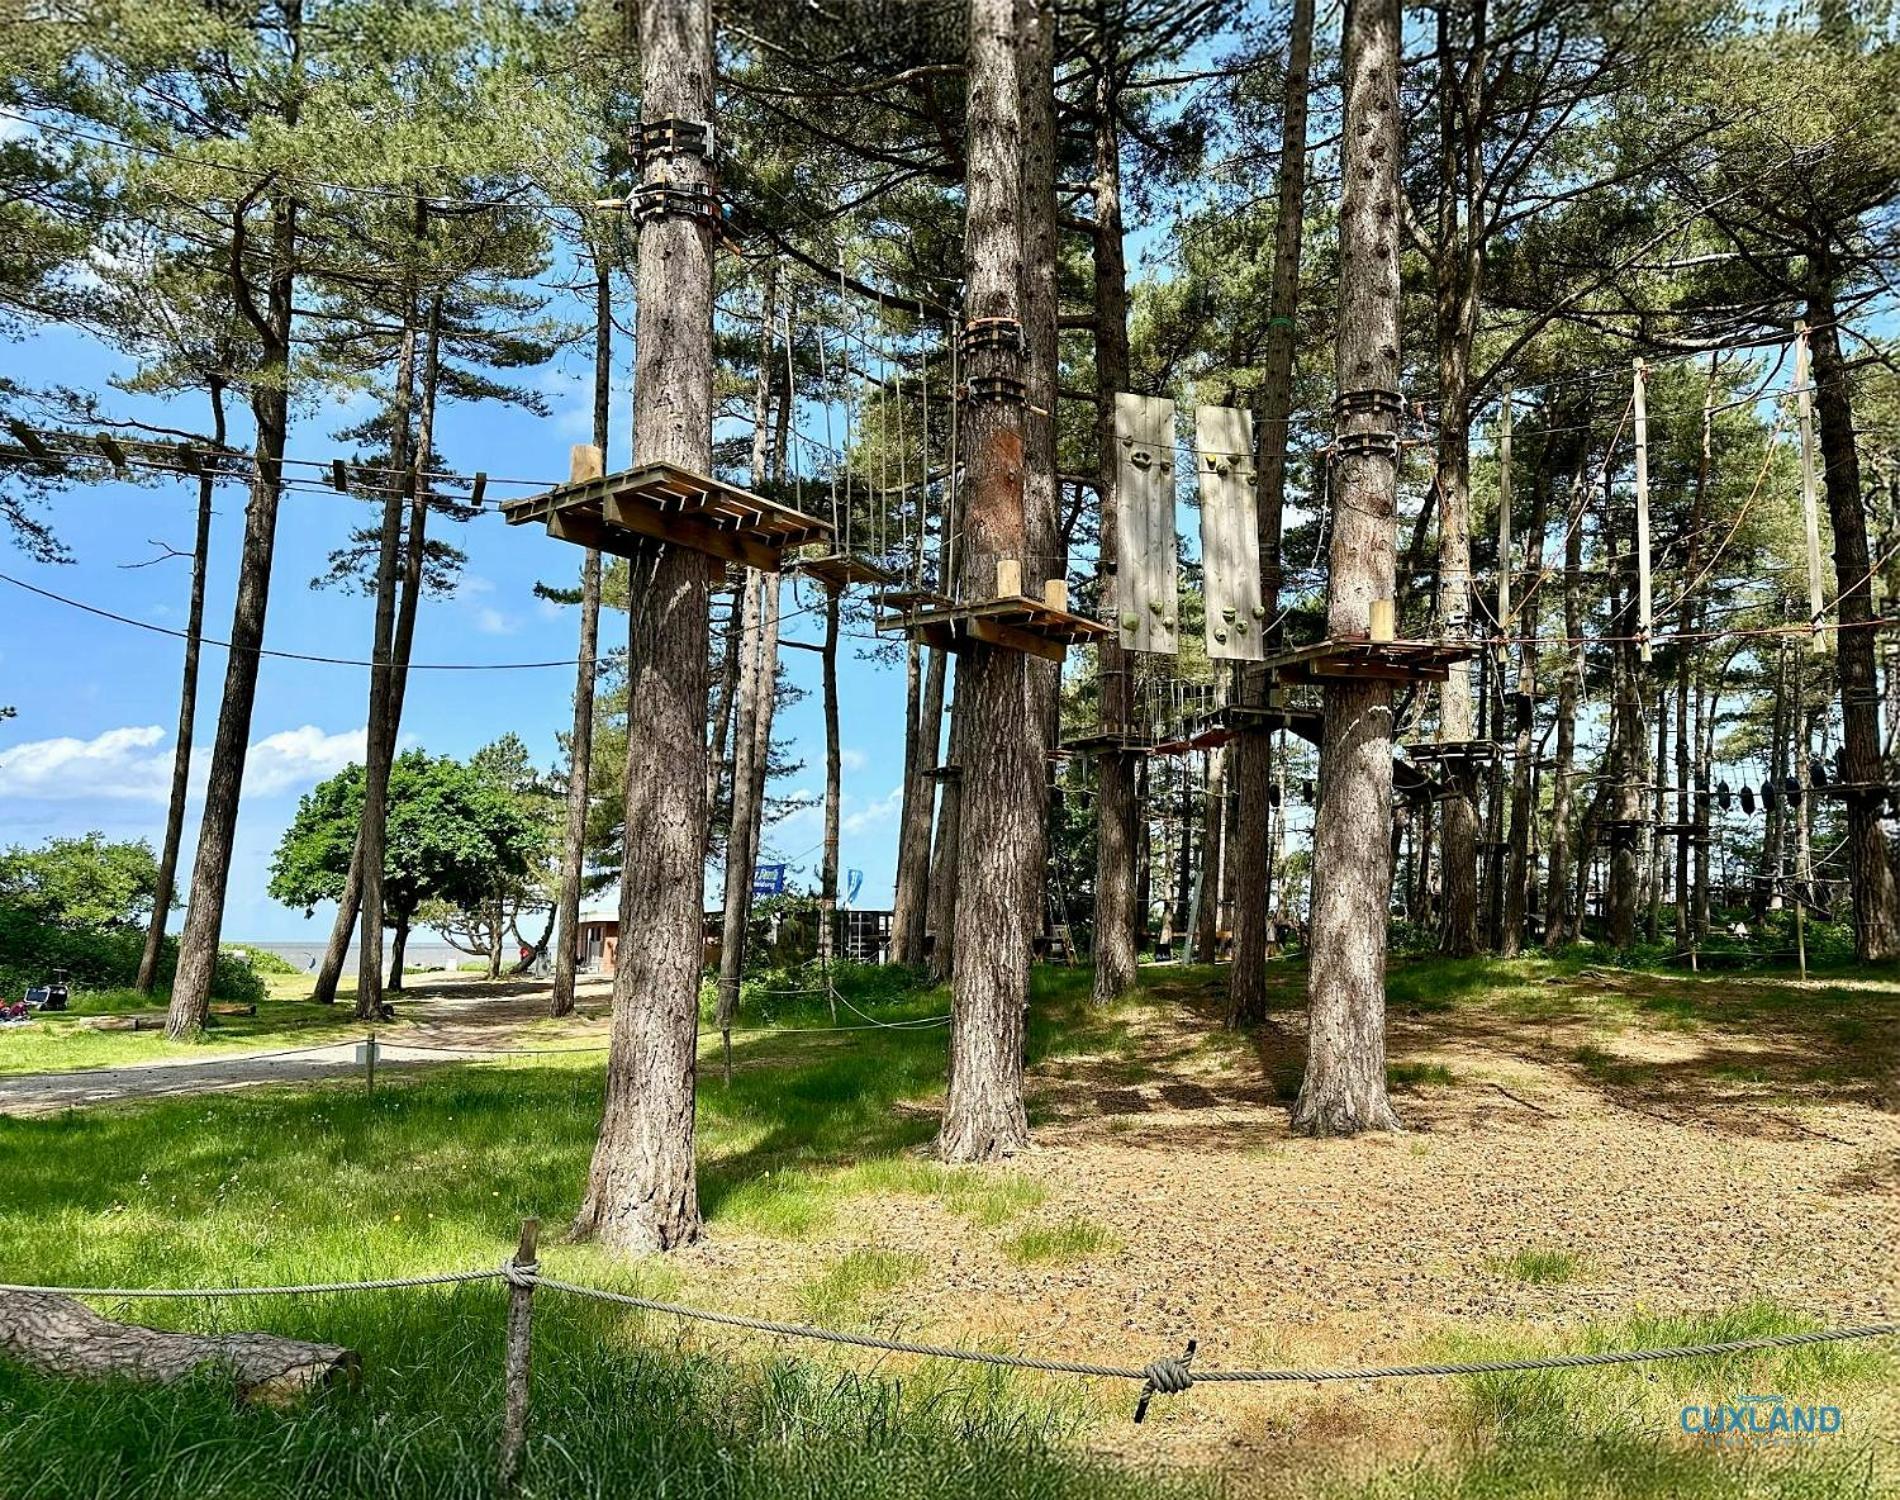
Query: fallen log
(58, 1336)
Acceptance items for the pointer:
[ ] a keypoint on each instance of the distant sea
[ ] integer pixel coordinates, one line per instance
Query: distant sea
(306, 956)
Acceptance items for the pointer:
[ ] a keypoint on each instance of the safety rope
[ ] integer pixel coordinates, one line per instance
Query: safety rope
(1168, 1376)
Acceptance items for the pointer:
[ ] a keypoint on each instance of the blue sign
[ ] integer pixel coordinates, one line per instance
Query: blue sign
(854, 883)
(768, 880)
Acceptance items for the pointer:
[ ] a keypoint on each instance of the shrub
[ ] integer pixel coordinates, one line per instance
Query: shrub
(101, 958)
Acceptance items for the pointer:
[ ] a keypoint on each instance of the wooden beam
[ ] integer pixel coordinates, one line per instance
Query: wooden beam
(692, 533)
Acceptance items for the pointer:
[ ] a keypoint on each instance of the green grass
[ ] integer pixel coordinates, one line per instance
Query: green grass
(1074, 1238)
(318, 1182)
(1415, 1075)
(1541, 1267)
(62, 1042)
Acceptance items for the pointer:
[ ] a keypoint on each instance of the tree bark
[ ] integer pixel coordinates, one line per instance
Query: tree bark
(1521, 879)
(1118, 916)
(187, 712)
(66, 1339)
(910, 920)
(1561, 919)
(943, 854)
(1207, 919)
(1344, 1089)
(580, 747)
(834, 788)
(398, 950)
(642, 1193)
(983, 1115)
(1253, 769)
(1869, 861)
(270, 405)
(379, 743)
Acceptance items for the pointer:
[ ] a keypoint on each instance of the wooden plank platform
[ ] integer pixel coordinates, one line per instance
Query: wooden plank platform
(1100, 741)
(1361, 657)
(841, 570)
(1454, 750)
(627, 512)
(1014, 622)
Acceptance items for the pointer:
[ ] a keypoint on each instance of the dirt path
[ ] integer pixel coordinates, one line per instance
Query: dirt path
(438, 1026)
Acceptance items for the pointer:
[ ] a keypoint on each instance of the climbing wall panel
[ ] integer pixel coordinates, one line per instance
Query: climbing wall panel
(1230, 540)
(1147, 609)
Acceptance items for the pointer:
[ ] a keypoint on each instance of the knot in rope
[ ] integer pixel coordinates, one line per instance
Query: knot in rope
(518, 1275)
(1166, 1377)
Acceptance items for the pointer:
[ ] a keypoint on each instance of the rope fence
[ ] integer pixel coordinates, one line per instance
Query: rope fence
(1171, 1375)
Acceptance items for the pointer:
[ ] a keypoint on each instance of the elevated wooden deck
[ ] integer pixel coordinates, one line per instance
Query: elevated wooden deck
(842, 570)
(626, 513)
(1014, 622)
(1347, 658)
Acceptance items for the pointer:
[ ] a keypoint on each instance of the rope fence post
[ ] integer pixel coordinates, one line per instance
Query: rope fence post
(366, 1051)
(519, 1273)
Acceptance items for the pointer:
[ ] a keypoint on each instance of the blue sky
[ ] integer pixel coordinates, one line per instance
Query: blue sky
(91, 747)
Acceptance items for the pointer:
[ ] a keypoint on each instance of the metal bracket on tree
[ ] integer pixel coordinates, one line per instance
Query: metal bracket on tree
(659, 200)
(672, 137)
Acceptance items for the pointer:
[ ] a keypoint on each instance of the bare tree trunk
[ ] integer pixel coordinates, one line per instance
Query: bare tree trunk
(270, 404)
(1562, 921)
(1344, 1090)
(379, 743)
(914, 890)
(910, 815)
(398, 950)
(1045, 554)
(1869, 861)
(1253, 769)
(1207, 923)
(642, 1192)
(1626, 734)
(1521, 878)
(1118, 914)
(834, 788)
(1774, 844)
(752, 728)
(187, 712)
(1002, 830)
(724, 698)
(943, 854)
(580, 746)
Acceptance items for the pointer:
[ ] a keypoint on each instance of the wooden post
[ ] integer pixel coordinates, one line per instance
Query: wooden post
(368, 1054)
(1801, 932)
(1504, 516)
(1640, 398)
(515, 1370)
(584, 462)
(1382, 620)
(1810, 500)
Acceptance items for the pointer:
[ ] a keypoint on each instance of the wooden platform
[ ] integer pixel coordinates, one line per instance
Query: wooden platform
(1106, 741)
(1454, 750)
(1361, 658)
(841, 570)
(626, 513)
(1231, 719)
(1014, 622)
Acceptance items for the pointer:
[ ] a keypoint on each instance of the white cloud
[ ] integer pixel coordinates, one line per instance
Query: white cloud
(495, 622)
(294, 758)
(120, 764)
(134, 764)
(883, 810)
(851, 760)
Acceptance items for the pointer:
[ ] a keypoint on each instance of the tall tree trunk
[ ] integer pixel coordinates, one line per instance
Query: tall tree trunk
(909, 921)
(642, 1193)
(1869, 862)
(1563, 921)
(907, 893)
(398, 950)
(1045, 556)
(834, 775)
(725, 696)
(1118, 916)
(1344, 1090)
(580, 746)
(1774, 844)
(756, 686)
(270, 405)
(1521, 878)
(187, 712)
(1207, 919)
(379, 743)
(1626, 736)
(1002, 827)
(944, 853)
(1253, 770)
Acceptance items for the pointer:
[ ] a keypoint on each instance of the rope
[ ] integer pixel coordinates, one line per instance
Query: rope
(387, 1283)
(1170, 1376)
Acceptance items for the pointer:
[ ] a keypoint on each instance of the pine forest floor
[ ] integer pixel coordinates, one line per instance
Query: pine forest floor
(1594, 1158)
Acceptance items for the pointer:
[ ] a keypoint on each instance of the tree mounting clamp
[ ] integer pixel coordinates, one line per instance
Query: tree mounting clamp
(1366, 445)
(674, 137)
(1379, 402)
(664, 200)
(1002, 334)
(1004, 388)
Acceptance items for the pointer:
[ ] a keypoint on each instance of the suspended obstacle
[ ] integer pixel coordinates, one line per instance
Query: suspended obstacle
(626, 513)
(842, 570)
